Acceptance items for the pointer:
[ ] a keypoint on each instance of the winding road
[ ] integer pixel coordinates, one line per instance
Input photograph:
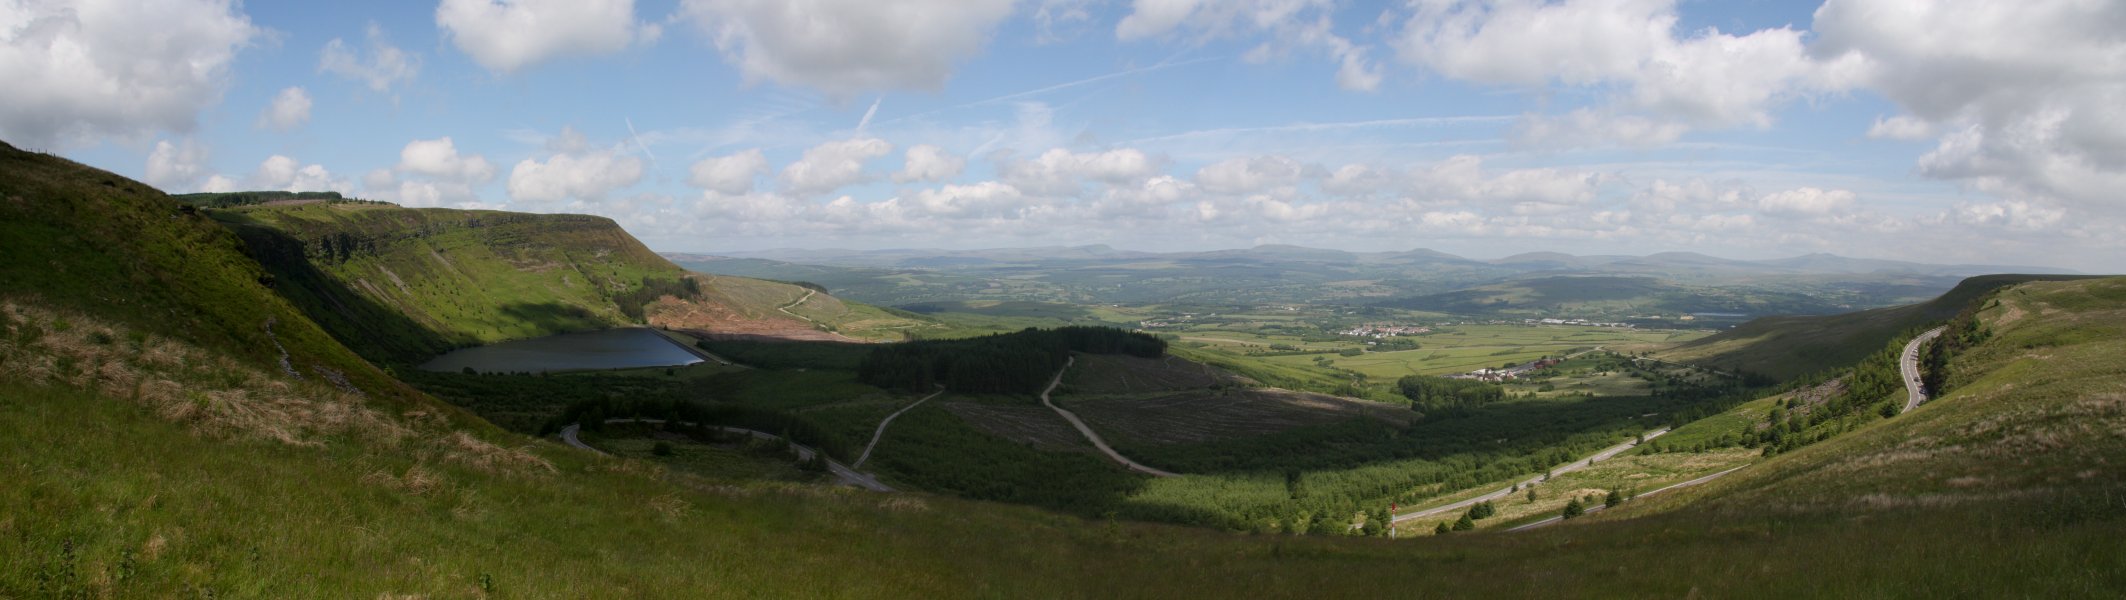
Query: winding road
(1916, 392)
(1088, 431)
(847, 475)
(876, 435)
(786, 307)
(1502, 492)
(1909, 364)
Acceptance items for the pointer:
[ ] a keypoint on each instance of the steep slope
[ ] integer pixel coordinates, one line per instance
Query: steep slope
(241, 479)
(403, 284)
(108, 247)
(2026, 439)
(1785, 347)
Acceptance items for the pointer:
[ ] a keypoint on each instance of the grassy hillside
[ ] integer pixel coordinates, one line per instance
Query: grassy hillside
(402, 284)
(1786, 347)
(2023, 444)
(159, 445)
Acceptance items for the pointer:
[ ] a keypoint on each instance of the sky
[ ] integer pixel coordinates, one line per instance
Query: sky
(1942, 131)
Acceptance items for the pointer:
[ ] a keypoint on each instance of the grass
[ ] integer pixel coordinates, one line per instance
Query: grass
(462, 278)
(1789, 347)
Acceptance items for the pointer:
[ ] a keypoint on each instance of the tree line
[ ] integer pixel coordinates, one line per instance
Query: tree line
(1011, 363)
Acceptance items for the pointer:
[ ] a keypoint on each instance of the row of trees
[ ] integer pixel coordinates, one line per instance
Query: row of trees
(1440, 396)
(1010, 363)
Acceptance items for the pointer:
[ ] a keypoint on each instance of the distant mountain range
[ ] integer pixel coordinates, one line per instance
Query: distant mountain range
(1423, 279)
(1673, 263)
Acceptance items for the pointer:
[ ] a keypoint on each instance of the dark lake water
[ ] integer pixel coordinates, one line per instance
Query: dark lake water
(609, 349)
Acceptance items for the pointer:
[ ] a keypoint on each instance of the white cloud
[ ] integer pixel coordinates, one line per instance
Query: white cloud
(844, 47)
(1901, 127)
(2011, 215)
(732, 174)
(279, 172)
(505, 36)
(387, 66)
(2029, 97)
(439, 158)
(583, 177)
(1628, 48)
(290, 109)
(1806, 201)
(1060, 172)
(985, 199)
(1250, 175)
(175, 167)
(80, 71)
(929, 163)
(832, 165)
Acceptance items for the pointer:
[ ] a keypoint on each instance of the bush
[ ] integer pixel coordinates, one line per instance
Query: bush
(661, 449)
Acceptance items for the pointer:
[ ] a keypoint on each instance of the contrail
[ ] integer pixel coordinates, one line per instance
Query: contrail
(866, 121)
(631, 136)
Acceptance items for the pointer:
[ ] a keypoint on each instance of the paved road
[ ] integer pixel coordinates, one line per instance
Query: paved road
(1502, 492)
(1600, 507)
(848, 476)
(1909, 364)
(882, 428)
(1088, 431)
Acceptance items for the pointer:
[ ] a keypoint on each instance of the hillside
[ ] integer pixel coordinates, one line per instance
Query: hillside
(404, 284)
(160, 444)
(1791, 346)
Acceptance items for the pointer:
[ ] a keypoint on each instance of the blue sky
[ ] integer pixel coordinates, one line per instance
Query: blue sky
(1938, 131)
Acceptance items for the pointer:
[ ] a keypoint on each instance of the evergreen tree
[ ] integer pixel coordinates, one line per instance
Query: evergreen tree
(1531, 494)
(1465, 523)
(1442, 529)
(1615, 498)
(1573, 509)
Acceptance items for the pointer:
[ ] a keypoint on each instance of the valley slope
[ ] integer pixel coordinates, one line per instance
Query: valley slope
(173, 431)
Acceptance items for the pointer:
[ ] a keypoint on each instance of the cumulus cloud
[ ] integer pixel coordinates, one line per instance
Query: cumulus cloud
(929, 163)
(1658, 81)
(730, 174)
(1901, 127)
(2029, 99)
(385, 66)
(1060, 172)
(985, 199)
(583, 177)
(844, 47)
(290, 109)
(431, 173)
(1250, 175)
(832, 165)
(85, 70)
(439, 158)
(1805, 201)
(279, 172)
(175, 167)
(505, 36)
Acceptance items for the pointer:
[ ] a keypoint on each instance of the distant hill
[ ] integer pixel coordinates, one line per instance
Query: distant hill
(404, 284)
(1817, 283)
(1791, 346)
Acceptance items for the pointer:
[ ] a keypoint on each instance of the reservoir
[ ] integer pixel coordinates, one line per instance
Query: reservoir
(608, 349)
